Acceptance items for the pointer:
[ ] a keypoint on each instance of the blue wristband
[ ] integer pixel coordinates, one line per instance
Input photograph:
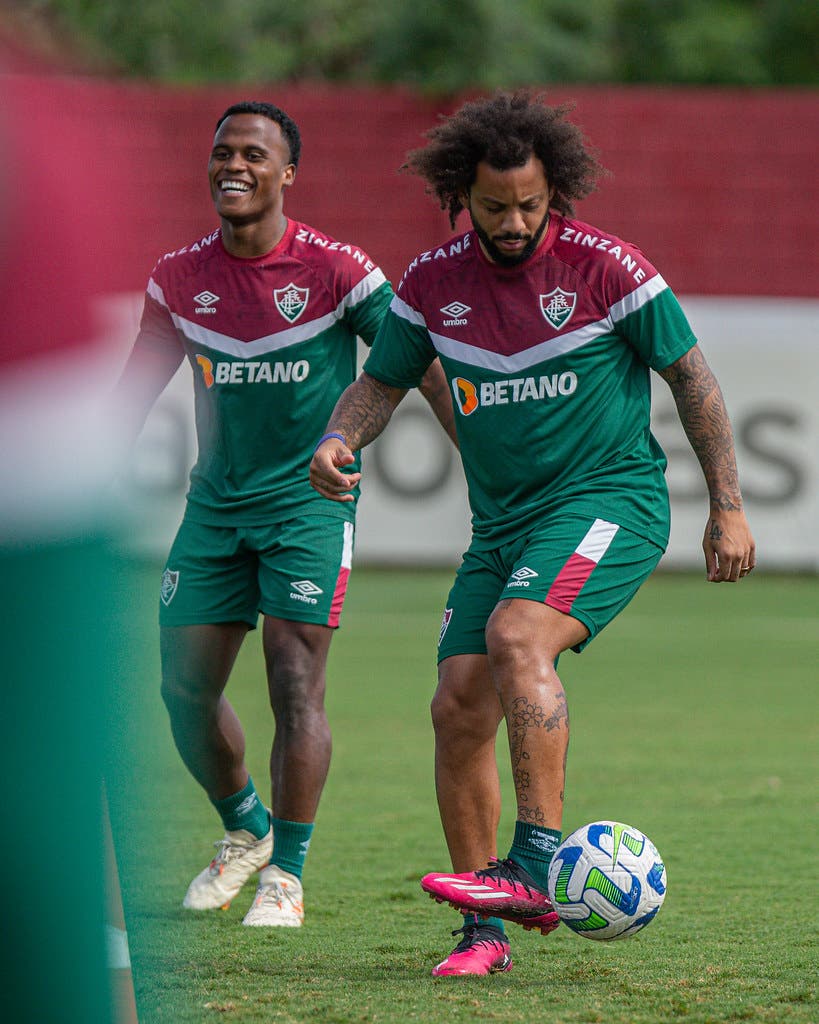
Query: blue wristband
(327, 437)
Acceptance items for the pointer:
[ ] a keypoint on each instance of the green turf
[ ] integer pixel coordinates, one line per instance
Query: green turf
(693, 718)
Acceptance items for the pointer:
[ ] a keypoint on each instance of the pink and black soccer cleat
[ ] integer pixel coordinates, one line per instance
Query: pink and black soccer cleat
(484, 949)
(502, 890)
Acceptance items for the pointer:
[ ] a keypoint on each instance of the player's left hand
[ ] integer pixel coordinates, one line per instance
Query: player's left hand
(326, 470)
(730, 552)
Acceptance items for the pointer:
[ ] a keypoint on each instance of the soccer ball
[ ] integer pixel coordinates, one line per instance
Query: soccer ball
(607, 880)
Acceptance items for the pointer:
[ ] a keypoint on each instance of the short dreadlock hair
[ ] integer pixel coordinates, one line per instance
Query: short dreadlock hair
(288, 126)
(505, 130)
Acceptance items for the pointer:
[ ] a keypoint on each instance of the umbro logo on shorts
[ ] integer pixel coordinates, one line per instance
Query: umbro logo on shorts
(306, 587)
(520, 577)
(305, 591)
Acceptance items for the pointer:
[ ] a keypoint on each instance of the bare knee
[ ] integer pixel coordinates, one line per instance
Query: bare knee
(445, 708)
(296, 695)
(462, 710)
(196, 663)
(525, 638)
(180, 692)
(509, 647)
(296, 679)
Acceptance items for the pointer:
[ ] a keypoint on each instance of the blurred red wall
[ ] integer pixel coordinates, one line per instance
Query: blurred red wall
(718, 187)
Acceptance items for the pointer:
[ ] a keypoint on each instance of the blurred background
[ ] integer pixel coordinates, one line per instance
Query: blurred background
(705, 113)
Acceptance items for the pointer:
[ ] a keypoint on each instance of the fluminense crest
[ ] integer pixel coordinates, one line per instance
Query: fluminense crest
(444, 624)
(167, 588)
(291, 301)
(557, 307)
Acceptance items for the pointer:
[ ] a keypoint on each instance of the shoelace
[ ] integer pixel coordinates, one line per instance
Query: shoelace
(471, 937)
(506, 870)
(227, 851)
(272, 893)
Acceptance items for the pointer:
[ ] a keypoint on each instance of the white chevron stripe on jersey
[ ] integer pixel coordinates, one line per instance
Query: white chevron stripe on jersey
(638, 298)
(406, 312)
(366, 286)
(471, 355)
(156, 293)
(208, 338)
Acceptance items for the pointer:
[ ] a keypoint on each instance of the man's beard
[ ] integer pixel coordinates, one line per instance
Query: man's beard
(505, 259)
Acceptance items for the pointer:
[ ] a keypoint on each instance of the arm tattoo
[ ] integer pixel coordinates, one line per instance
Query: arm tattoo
(705, 420)
(522, 718)
(364, 410)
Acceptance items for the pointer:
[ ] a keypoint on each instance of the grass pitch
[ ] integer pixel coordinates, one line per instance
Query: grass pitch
(693, 718)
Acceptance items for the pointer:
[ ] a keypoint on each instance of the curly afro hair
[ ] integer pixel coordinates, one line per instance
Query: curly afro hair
(504, 130)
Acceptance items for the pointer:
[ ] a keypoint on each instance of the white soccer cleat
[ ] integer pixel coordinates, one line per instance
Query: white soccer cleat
(240, 855)
(279, 901)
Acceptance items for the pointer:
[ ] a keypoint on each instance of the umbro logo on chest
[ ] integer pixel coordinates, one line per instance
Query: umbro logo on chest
(557, 307)
(206, 302)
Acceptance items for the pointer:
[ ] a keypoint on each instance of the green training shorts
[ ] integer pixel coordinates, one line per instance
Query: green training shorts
(587, 568)
(296, 570)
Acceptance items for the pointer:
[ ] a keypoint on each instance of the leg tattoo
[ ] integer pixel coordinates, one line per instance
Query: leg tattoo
(523, 718)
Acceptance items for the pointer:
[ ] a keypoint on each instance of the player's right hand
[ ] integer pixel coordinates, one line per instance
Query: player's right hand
(325, 471)
(730, 552)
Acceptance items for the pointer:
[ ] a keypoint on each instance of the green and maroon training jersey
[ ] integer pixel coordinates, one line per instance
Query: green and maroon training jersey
(272, 344)
(548, 363)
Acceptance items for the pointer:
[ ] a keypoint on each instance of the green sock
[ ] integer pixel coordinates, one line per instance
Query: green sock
(477, 919)
(533, 848)
(291, 840)
(244, 810)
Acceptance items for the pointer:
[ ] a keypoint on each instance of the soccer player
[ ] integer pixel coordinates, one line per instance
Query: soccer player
(546, 328)
(267, 311)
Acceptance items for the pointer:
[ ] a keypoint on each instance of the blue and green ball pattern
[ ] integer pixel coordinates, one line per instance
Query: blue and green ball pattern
(607, 880)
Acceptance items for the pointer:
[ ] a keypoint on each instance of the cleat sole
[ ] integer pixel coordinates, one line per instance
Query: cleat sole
(544, 928)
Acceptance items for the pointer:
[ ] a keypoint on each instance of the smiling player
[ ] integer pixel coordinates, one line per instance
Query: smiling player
(266, 310)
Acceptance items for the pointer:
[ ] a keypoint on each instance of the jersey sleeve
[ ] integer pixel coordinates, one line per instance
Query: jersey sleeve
(156, 328)
(154, 358)
(366, 314)
(648, 316)
(402, 351)
(657, 328)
